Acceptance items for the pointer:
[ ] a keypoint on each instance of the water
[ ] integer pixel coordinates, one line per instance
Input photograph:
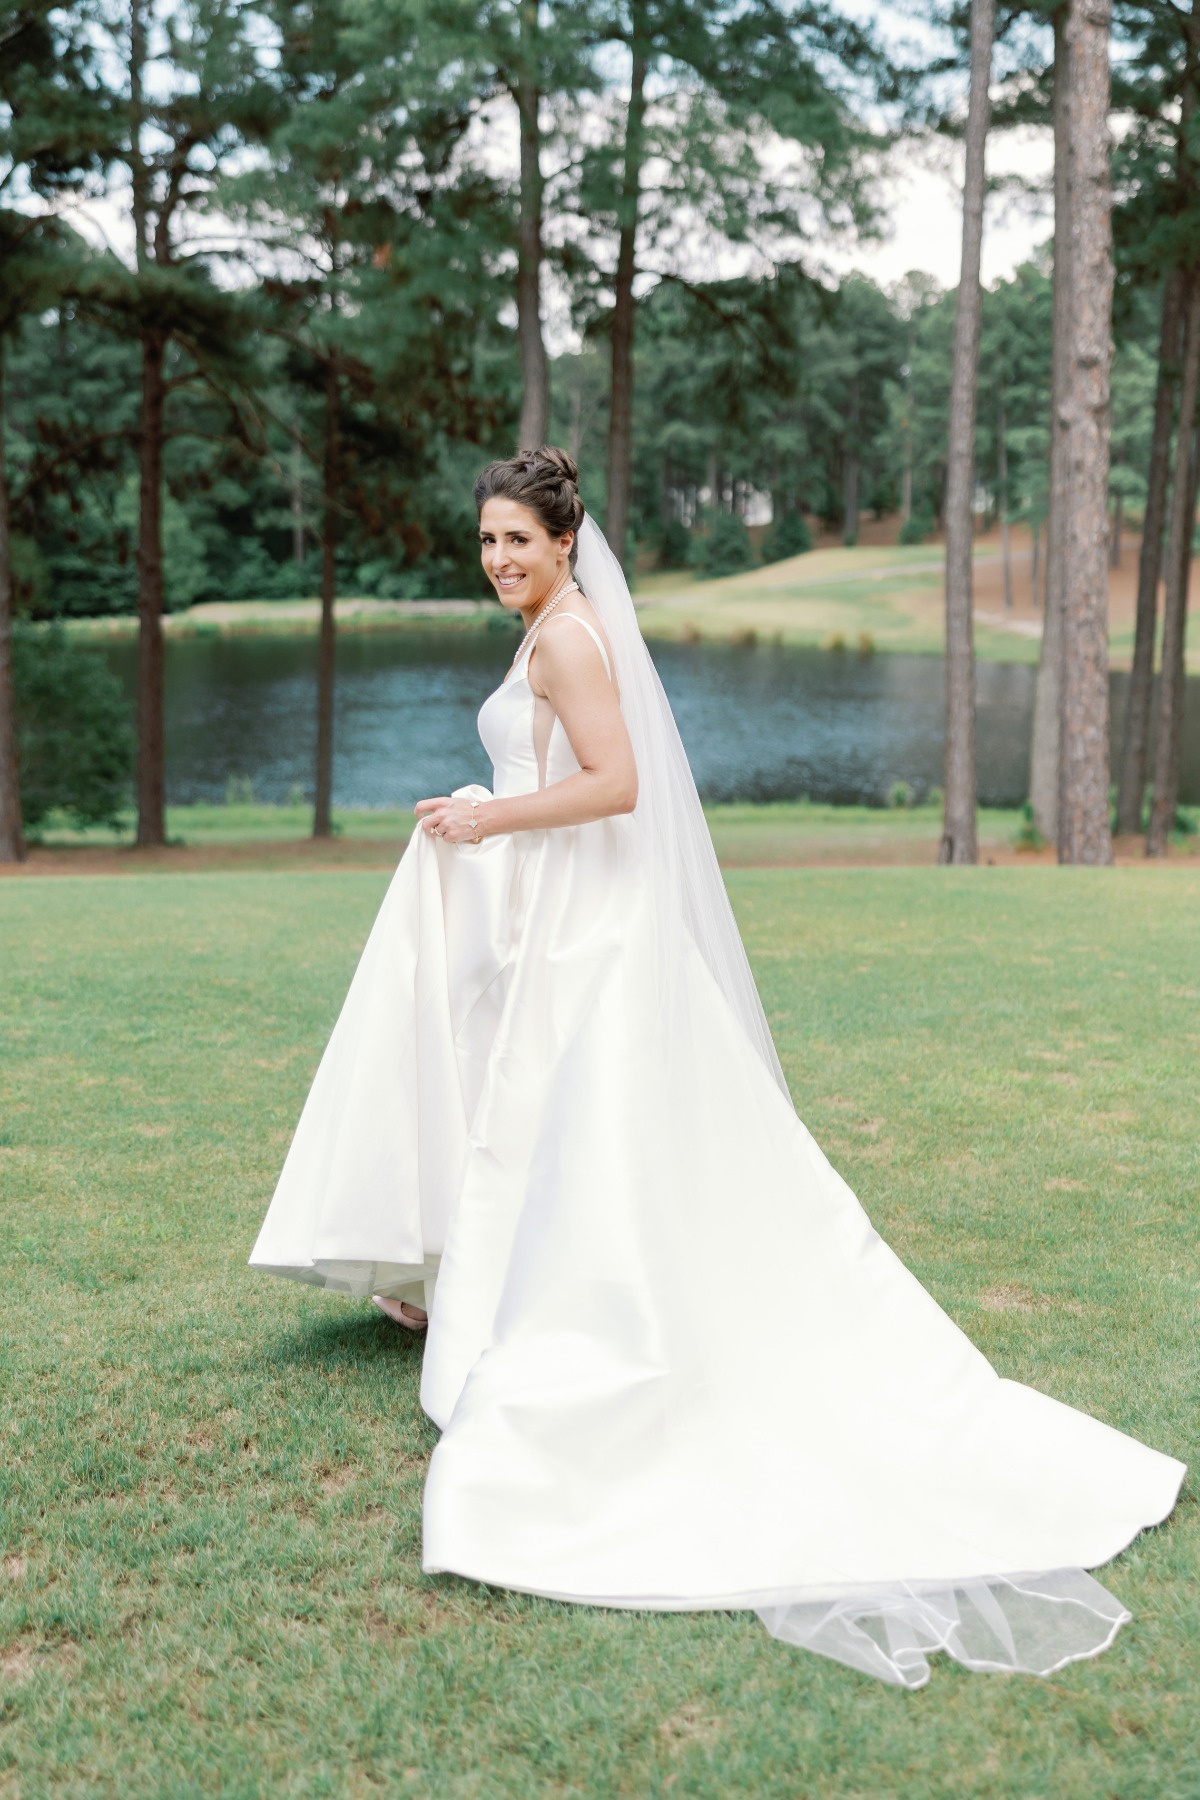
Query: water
(759, 722)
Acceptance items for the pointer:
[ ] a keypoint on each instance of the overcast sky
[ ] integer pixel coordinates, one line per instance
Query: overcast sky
(925, 207)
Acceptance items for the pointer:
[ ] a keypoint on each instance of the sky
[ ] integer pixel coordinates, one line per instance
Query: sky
(924, 205)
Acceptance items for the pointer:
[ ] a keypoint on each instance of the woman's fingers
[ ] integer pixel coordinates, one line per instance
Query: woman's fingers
(423, 806)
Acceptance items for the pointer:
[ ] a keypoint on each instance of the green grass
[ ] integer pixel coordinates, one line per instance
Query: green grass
(772, 829)
(211, 1481)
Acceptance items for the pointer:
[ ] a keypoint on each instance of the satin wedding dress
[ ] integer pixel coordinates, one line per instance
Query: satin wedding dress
(673, 1365)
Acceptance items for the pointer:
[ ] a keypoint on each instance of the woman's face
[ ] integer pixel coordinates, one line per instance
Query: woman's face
(520, 558)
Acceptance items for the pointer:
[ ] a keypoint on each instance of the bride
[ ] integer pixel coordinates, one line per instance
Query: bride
(673, 1365)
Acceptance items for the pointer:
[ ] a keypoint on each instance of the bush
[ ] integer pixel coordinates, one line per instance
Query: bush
(788, 536)
(727, 548)
(1028, 836)
(902, 794)
(916, 528)
(75, 739)
(675, 545)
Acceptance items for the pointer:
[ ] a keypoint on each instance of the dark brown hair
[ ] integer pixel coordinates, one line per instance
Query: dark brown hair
(545, 480)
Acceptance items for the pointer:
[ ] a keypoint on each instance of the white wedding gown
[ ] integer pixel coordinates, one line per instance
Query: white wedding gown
(673, 1365)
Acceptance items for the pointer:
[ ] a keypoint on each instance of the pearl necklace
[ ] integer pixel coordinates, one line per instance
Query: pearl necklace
(571, 587)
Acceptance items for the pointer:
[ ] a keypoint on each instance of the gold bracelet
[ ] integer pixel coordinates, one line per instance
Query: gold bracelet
(476, 839)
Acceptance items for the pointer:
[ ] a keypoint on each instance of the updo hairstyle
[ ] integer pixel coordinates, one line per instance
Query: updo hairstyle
(545, 480)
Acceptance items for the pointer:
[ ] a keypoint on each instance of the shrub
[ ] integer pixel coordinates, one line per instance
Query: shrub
(675, 545)
(1028, 836)
(727, 548)
(902, 794)
(75, 739)
(788, 536)
(916, 528)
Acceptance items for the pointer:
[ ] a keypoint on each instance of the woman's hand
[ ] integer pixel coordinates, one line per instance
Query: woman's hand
(449, 818)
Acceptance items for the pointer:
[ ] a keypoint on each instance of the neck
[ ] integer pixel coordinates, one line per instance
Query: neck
(560, 586)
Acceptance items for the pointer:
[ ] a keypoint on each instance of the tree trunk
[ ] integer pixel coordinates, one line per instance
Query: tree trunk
(297, 498)
(323, 802)
(151, 778)
(958, 843)
(1179, 564)
(1141, 681)
(1044, 758)
(151, 810)
(906, 479)
(851, 470)
(1084, 831)
(535, 369)
(1035, 568)
(12, 835)
(620, 417)
(1114, 543)
(1005, 534)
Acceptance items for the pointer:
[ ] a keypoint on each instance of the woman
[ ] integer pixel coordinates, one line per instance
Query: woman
(673, 1364)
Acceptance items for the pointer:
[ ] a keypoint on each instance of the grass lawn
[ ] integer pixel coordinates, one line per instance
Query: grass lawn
(210, 1581)
(787, 834)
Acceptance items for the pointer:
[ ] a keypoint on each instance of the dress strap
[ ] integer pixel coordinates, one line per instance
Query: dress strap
(593, 632)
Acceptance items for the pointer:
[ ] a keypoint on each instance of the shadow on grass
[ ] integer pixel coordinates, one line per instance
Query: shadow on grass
(345, 1341)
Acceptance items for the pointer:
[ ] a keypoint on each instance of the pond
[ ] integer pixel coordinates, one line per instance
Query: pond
(759, 722)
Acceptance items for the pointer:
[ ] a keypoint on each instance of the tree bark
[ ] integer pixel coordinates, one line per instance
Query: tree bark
(151, 781)
(326, 645)
(1168, 732)
(1044, 750)
(1084, 830)
(151, 774)
(851, 469)
(297, 499)
(620, 418)
(1002, 483)
(535, 367)
(850, 474)
(12, 835)
(958, 843)
(1114, 544)
(1141, 681)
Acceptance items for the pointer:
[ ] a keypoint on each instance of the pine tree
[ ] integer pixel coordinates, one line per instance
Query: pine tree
(708, 86)
(182, 94)
(48, 129)
(1084, 834)
(958, 843)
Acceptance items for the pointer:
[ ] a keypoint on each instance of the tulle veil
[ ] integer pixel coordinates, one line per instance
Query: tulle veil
(675, 848)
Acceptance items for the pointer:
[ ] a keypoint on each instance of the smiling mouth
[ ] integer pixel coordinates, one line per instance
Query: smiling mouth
(508, 581)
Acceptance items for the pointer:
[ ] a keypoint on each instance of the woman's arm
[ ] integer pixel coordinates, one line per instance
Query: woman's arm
(570, 674)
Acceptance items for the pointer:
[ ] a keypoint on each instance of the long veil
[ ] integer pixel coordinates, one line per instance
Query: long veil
(676, 850)
(1034, 1622)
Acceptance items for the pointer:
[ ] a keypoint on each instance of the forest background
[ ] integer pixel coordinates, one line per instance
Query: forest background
(338, 230)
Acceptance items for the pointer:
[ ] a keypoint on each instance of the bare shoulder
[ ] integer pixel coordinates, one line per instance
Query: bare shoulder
(563, 650)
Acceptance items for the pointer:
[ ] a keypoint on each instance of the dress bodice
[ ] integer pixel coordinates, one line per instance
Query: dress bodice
(522, 733)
